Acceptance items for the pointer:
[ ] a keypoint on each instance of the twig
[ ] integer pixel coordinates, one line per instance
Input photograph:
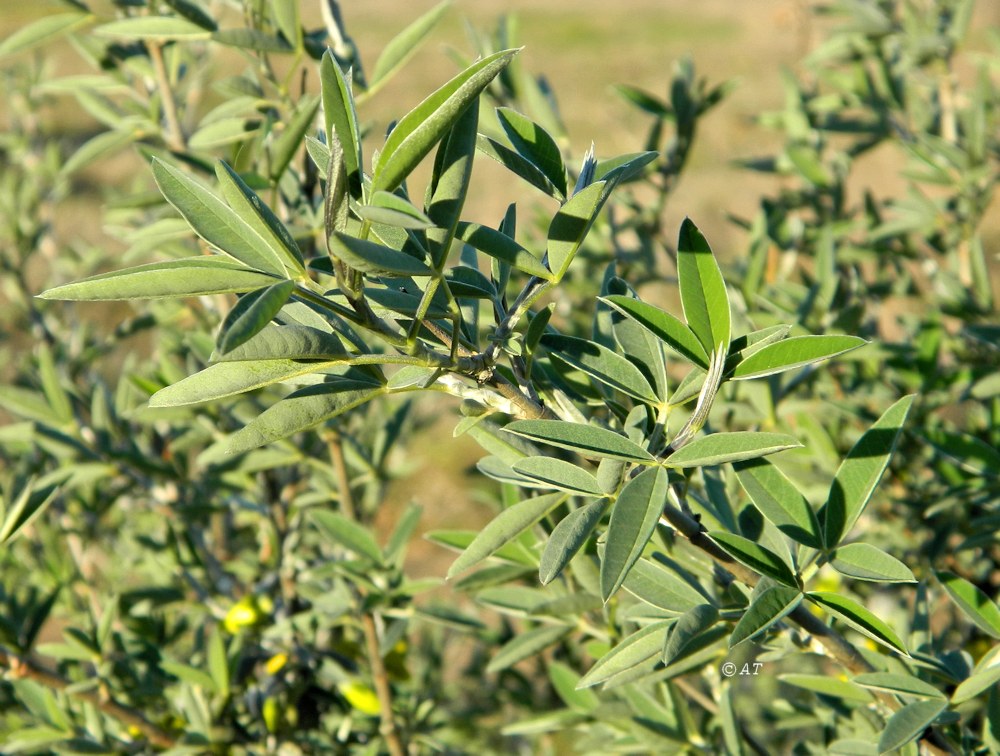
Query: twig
(23, 667)
(175, 135)
(380, 678)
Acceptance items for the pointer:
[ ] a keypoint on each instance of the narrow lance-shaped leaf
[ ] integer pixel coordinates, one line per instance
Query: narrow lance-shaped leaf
(214, 221)
(260, 217)
(663, 325)
(152, 27)
(290, 342)
(661, 587)
(861, 471)
(908, 723)
(779, 501)
(450, 181)
(504, 528)
(190, 277)
(525, 645)
(975, 604)
(764, 611)
(518, 165)
(420, 129)
(862, 561)
(718, 448)
(567, 538)
(975, 684)
(373, 258)
(570, 225)
(289, 140)
(859, 618)
(341, 119)
(587, 440)
(906, 685)
(689, 626)
(633, 520)
(601, 364)
(559, 473)
(348, 533)
(501, 247)
(755, 556)
(403, 45)
(637, 648)
(536, 145)
(252, 313)
(702, 288)
(300, 411)
(44, 29)
(392, 210)
(792, 353)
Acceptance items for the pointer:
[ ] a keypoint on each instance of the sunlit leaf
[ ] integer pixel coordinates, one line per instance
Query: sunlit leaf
(865, 562)
(568, 537)
(859, 618)
(765, 610)
(755, 556)
(779, 501)
(601, 364)
(908, 723)
(737, 446)
(633, 520)
(663, 325)
(860, 472)
(975, 604)
(587, 440)
(794, 352)
(703, 291)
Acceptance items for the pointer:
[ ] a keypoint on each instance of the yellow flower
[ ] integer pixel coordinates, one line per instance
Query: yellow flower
(360, 697)
(243, 615)
(276, 663)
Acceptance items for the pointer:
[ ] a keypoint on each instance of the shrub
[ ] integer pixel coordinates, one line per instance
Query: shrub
(704, 540)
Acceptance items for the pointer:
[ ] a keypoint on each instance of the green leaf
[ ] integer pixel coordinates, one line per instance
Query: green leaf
(404, 45)
(565, 680)
(661, 588)
(859, 618)
(44, 29)
(635, 649)
(718, 448)
(259, 216)
(286, 16)
(663, 325)
(190, 277)
(289, 342)
(794, 353)
(252, 39)
(504, 528)
(633, 520)
(900, 684)
(393, 210)
(587, 440)
(341, 118)
(755, 556)
(688, 627)
(567, 538)
(230, 378)
(299, 411)
(536, 145)
(703, 291)
(450, 182)
(376, 259)
(290, 139)
(420, 129)
(601, 364)
(864, 562)
(517, 165)
(218, 665)
(214, 221)
(828, 686)
(25, 507)
(978, 682)
(861, 471)
(570, 226)
(347, 533)
(501, 247)
(975, 604)
(908, 723)
(560, 474)
(765, 609)
(779, 501)
(252, 313)
(972, 454)
(152, 27)
(527, 644)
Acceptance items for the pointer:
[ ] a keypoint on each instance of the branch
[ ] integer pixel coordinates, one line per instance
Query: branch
(174, 136)
(24, 667)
